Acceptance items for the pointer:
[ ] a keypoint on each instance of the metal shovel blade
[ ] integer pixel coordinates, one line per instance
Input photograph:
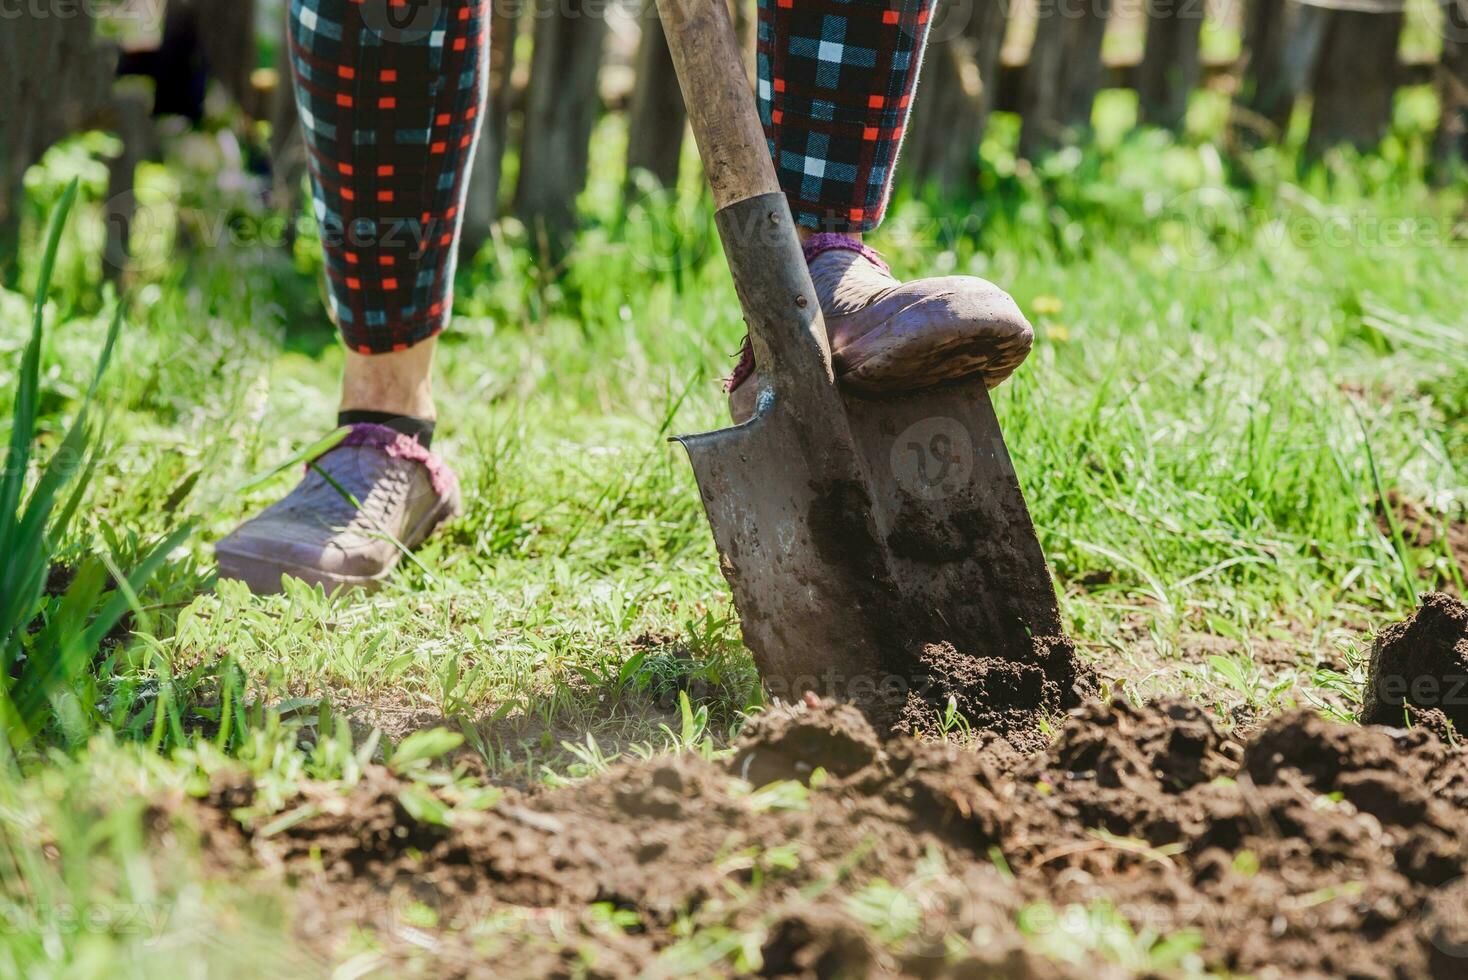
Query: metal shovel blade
(855, 531)
(840, 585)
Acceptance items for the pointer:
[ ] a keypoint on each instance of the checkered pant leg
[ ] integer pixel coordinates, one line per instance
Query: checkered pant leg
(390, 95)
(835, 84)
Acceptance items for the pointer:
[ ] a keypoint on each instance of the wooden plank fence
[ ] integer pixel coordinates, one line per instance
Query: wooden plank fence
(1342, 56)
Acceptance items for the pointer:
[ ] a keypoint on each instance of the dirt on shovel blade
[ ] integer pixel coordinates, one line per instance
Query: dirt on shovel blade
(1141, 839)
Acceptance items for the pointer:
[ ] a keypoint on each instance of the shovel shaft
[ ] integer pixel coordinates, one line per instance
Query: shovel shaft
(711, 71)
(760, 242)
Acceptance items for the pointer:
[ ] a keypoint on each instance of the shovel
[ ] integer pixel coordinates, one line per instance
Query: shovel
(853, 531)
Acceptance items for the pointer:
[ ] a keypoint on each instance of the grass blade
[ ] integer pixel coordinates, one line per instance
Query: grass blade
(23, 429)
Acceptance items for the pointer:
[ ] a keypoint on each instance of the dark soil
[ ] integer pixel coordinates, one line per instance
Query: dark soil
(1310, 849)
(1008, 698)
(1419, 668)
(902, 661)
(58, 579)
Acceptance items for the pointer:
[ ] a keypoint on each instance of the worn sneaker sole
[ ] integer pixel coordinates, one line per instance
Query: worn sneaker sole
(262, 574)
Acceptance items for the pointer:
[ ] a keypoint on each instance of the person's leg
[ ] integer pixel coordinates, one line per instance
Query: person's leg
(399, 383)
(390, 97)
(836, 85)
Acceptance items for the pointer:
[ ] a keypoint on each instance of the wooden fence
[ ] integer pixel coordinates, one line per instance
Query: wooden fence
(1040, 58)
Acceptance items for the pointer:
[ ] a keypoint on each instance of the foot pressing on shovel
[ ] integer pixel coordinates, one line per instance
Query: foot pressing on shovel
(888, 336)
(856, 533)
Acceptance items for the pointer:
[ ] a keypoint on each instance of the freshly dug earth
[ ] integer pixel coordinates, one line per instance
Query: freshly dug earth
(1419, 668)
(1314, 848)
(1007, 697)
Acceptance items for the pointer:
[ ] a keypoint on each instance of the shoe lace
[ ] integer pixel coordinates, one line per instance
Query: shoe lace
(744, 368)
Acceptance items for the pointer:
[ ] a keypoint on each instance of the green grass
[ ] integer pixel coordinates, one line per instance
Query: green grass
(1235, 358)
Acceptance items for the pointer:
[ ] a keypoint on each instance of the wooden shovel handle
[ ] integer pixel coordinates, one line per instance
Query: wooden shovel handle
(720, 106)
(760, 242)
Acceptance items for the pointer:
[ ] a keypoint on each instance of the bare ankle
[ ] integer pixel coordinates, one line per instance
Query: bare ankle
(400, 382)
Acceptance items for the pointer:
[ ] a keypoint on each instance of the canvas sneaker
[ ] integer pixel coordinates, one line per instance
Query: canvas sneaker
(348, 521)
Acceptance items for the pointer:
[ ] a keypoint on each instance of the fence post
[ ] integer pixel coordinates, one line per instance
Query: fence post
(482, 206)
(987, 30)
(1170, 67)
(941, 136)
(56, 77)
(227, 31)
(1040, 88)
(1082, 64)
(1063, 74)
(1355, 78)
(950, 114)
(1282, 41)
(1451, 145)
(656, 116)
(130, 116)
(560, 112)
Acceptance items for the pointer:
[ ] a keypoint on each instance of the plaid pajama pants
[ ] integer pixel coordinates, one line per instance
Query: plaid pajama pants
(835, 85)
(390, 93)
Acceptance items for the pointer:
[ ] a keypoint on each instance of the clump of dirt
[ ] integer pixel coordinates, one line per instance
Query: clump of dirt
(1419, 668)
(789, 743)
(912, 662)
(1006, 697)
